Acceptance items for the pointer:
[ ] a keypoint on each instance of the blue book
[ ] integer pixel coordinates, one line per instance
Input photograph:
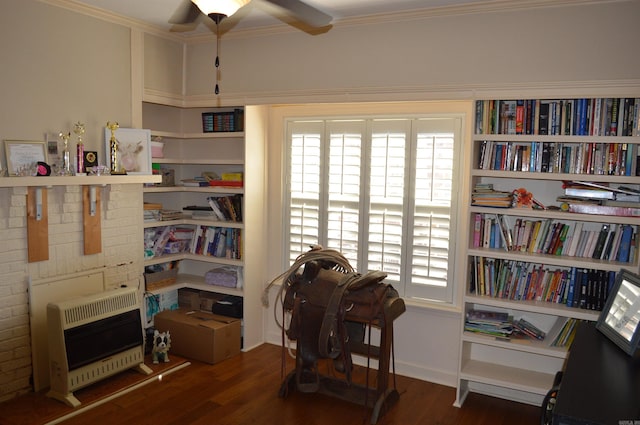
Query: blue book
(497, 164)
(625, 243)
(572, 287)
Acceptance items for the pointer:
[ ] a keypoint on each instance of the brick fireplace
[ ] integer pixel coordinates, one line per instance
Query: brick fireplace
(119, 262)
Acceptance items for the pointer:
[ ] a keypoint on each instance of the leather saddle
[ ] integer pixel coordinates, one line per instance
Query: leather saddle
(329, 307)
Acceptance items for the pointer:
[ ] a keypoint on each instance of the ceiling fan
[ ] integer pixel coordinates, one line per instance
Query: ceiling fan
(190, 11)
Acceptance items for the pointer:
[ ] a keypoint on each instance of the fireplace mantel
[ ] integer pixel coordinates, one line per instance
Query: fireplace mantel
(77, 180)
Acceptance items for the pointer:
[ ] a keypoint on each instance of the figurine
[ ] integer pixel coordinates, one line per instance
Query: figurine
(161, 345)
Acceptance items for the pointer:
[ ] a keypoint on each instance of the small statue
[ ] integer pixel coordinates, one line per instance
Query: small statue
(161, 345)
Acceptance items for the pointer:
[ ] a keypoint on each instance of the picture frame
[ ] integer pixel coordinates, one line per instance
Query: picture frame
(23, 153)
(134, 149)
(620, 318)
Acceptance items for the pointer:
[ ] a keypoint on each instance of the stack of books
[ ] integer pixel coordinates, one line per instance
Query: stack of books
(166, 215)
(484, 195)
(152, 211)
(492, 323)
(599, 198)
(526, 329)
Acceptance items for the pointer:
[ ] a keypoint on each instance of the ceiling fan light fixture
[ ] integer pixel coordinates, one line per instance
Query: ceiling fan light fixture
(220, 7)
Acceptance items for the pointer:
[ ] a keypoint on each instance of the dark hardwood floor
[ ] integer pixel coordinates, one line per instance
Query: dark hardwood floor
(244, 390)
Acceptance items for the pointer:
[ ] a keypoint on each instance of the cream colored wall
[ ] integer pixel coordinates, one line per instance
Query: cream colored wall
(435, 56)
(59, 67)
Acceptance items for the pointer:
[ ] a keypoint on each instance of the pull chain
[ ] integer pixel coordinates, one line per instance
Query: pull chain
(217, 90)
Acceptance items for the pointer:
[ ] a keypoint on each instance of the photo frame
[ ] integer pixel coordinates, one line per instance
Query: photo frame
(620, 319)
(23, 153)
(134, 149)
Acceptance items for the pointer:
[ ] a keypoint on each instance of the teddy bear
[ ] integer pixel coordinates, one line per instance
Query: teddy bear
(161, 345)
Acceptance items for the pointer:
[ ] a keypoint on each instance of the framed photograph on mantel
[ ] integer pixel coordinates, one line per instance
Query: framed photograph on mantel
(23, 154)
(134, 150)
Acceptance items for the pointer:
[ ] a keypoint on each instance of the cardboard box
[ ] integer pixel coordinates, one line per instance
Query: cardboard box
(189, 298)
(200, 336)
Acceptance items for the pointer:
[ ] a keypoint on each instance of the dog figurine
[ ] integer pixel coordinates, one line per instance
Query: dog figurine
(161, 345)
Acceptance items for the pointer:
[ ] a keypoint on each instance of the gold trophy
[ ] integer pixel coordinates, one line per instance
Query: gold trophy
(113, 148)
(66, 159)
(78, 129)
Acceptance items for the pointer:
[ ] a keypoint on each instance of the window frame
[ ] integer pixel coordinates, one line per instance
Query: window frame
(460, 110)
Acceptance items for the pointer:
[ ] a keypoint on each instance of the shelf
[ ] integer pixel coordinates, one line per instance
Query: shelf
(188, 256)
(554, 214)
(535, 175)
(213, 135)
(508, 377)
(526, 345)
(197, 282)
(46, 181)
(547, 259)
(197, 161)
(541, 307)
(195, 222)
(202, 189)
(556, 138)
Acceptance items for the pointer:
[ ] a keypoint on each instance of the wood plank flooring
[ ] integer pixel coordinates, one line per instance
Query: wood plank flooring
(244, 390)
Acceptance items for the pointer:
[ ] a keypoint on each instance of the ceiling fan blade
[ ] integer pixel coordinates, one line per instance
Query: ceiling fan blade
(303, 12)
(186, 13)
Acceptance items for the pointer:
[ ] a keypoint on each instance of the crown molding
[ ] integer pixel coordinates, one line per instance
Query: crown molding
(489, 6)
(105, 15)
(550, 90)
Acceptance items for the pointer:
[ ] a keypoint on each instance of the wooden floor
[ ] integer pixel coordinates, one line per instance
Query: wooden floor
(244, 390)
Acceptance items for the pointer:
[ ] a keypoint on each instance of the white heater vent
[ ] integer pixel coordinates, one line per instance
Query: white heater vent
(88, 309)
(111, 318)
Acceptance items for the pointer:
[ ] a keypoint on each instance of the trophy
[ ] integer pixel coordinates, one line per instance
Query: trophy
(78, 129)
(113, 148)
(66, 160)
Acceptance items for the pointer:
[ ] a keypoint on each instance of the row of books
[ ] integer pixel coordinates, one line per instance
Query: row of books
(617, 159)
(579, 117)
(524, 281)
(614, 242)
(226, 208)
(221, 242)
(223, 121)
(565, 337)
(164, 240)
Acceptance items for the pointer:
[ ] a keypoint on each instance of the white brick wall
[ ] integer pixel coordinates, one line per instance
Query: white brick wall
(121, 259)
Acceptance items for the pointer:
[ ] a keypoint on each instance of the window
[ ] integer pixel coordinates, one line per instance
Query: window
(380, 190)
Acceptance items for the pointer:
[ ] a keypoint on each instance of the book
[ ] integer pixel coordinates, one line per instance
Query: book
(604, 210)
(600, 241)
(625, 244)
(477, 230)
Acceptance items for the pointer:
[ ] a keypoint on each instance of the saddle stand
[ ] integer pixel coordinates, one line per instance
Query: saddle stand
(331, 309)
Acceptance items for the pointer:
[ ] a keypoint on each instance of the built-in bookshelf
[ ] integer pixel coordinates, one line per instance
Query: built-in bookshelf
(205, 217)
(554, 216)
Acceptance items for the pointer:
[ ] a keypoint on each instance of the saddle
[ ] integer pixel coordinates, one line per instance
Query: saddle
(330, 305)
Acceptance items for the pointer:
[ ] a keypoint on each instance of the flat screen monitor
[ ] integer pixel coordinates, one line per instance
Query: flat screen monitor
(620, 318)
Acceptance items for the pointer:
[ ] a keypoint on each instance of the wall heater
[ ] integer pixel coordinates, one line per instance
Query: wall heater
(92, 338)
